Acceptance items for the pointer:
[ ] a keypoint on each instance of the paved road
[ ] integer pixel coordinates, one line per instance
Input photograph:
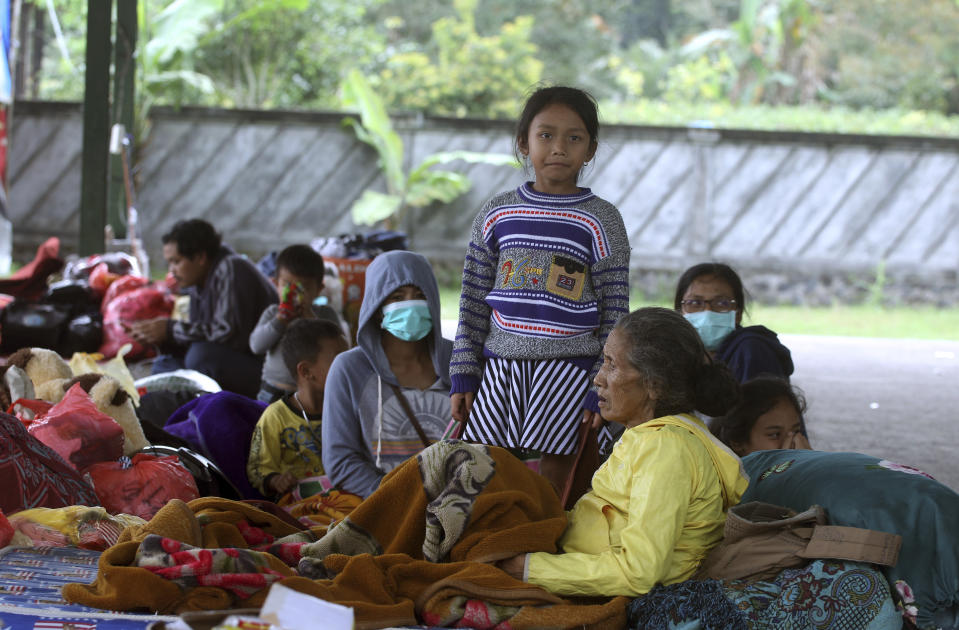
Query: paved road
(893, 398)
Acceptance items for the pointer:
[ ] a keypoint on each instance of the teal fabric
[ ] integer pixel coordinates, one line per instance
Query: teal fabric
(863, 491)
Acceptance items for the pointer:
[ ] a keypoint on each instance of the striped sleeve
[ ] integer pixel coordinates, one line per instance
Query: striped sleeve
(479, 273)
(610, 276)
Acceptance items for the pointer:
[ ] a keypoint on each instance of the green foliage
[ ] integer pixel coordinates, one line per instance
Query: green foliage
(835, 119)
(462, 73)
(700, 80)
(905, 55)
(166, 49)
(897, 63)
(287, 53)
(423, 185)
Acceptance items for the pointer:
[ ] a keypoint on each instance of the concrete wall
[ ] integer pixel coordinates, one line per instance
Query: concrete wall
(816, 205)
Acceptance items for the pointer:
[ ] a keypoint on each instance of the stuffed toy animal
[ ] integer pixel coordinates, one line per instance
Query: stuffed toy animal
(41, 365)
(109, 397)
(16, 385)
(52, 377)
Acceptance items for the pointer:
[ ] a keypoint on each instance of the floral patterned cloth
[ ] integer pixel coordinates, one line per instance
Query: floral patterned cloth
(825, 594)
(240, 571)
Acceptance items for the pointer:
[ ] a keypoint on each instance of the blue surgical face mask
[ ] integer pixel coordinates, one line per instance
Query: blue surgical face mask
(409, 320)
(712, 327)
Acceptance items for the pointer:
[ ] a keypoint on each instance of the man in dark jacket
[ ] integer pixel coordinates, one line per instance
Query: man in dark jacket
(227, 295)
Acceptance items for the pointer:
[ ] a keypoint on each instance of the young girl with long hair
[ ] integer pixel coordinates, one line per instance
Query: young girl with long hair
(544, 281)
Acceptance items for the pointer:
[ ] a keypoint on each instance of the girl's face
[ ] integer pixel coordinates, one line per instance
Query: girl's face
(557, 145)
(710, 291)
(773, 430)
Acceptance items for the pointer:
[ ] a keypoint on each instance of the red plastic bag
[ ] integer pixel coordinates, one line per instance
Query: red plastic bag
(101, 278)
(122, 285)
(142, 486)
(6, 530)
(38, 407)
(120, 313)
(79, 432)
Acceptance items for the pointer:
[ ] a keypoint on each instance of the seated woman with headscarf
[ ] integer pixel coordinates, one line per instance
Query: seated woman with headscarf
(659, 503)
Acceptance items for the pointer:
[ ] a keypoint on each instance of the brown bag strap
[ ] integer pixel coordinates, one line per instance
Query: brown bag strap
(853, 543)
(405, 404)
(576, 471)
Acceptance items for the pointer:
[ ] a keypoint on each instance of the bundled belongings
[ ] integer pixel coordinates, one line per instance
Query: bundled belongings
(760, 540)
(867, 492)
(220, 426)
(30, 281)
(27, 324)
(824, 594)
(70, 526)
(420, 550)
(142, 485)
(78, 431)
(34, 475)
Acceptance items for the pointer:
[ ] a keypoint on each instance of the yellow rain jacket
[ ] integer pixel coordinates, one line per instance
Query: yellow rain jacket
(657, 506)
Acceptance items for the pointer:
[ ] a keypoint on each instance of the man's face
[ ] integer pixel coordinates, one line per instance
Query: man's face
(187, 271)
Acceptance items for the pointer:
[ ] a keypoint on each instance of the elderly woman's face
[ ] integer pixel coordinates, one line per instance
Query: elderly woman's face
(623, 396)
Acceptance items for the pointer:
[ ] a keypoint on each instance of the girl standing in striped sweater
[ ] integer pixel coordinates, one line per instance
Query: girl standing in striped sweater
(544, 281)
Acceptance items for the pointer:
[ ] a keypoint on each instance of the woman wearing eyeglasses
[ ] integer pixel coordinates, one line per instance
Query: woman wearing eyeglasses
(711, 297)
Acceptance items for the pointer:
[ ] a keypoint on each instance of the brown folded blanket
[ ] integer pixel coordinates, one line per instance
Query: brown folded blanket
(416, 551)
(208, 522)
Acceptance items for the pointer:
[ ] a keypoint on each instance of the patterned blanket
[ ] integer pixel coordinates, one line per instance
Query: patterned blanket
(824, 595)
(420, 550)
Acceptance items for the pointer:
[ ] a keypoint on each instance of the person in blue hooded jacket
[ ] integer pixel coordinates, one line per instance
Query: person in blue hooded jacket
(712, 298)
(400, 355)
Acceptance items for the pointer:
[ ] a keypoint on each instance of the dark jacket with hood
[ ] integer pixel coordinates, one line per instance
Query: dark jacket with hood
(366, 432)
(753, 350)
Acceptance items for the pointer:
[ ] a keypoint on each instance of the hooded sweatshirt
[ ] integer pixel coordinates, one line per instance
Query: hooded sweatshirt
(366, 432)
(658, 505)
(753, 350)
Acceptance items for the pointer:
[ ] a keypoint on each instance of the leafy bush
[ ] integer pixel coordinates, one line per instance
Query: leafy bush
(783, 118)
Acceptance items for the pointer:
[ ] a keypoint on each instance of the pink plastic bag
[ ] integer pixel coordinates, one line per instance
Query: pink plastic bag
(120, 313)
(123, 284)
(79, 432)
(142, 486)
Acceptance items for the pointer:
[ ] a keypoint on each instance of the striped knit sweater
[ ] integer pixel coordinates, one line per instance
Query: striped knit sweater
(545, 277)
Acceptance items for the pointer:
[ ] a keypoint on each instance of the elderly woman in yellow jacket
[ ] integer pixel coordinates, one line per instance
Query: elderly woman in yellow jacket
(658, 504)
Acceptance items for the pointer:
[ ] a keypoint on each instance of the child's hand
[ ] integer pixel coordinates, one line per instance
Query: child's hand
(282, 483)
(291, 302)
(593, 418)
(461, 404)
(796, 441)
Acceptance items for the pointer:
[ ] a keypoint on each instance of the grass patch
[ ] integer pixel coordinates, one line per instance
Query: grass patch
(900, 322)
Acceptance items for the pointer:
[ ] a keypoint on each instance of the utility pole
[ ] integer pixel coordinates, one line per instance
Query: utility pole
(96, 127)
(124, 69)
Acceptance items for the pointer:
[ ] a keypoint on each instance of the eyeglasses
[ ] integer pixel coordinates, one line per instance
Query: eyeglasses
(716, 305)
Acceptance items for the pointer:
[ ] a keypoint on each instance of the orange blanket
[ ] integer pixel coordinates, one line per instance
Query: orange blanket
(416, 551)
